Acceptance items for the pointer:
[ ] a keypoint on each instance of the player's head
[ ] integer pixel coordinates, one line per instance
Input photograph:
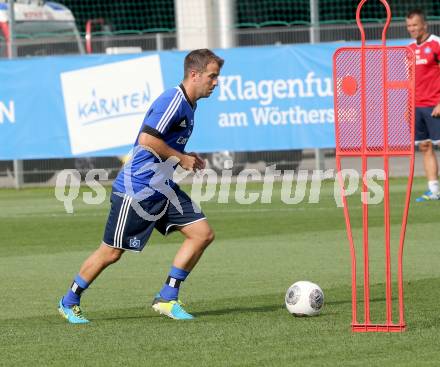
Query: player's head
(416, 24)
(201, 70)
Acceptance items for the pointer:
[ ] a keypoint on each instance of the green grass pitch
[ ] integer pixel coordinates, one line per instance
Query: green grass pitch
(236, 292)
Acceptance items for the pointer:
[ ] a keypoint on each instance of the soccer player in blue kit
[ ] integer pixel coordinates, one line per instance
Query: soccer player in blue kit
(144, 196)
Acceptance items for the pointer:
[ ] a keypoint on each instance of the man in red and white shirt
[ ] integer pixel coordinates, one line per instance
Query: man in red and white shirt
(427, 51)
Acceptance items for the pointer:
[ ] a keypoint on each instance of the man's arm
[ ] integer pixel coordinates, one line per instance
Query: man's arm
(190, 161)
(436, 111)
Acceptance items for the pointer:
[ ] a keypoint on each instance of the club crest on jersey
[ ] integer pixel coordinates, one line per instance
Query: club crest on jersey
(427, 50)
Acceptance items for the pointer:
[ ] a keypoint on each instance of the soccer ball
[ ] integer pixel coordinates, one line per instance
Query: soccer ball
(304, 298)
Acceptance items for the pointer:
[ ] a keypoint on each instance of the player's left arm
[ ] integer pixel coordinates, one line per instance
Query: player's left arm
(436, 110)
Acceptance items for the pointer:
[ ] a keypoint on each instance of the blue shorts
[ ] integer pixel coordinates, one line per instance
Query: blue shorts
(427, 127)
(130, 222)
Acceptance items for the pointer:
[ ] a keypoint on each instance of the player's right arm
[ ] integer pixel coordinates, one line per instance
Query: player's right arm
(165, 112)
(186, 161)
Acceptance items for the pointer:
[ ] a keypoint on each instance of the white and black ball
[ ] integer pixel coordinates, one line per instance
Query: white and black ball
(304, 298)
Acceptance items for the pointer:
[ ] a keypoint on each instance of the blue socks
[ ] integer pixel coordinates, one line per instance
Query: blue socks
(73, 295)
(170, 290)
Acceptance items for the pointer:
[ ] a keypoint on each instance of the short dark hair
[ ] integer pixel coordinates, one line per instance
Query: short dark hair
(199, 60)
(415, 12)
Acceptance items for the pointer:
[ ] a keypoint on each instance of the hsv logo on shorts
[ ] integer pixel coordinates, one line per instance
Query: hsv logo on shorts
(135, 243)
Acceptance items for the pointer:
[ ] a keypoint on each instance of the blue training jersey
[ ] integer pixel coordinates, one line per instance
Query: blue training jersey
(170, 118)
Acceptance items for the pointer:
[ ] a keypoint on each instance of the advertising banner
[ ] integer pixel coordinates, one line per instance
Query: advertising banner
(268, 98)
